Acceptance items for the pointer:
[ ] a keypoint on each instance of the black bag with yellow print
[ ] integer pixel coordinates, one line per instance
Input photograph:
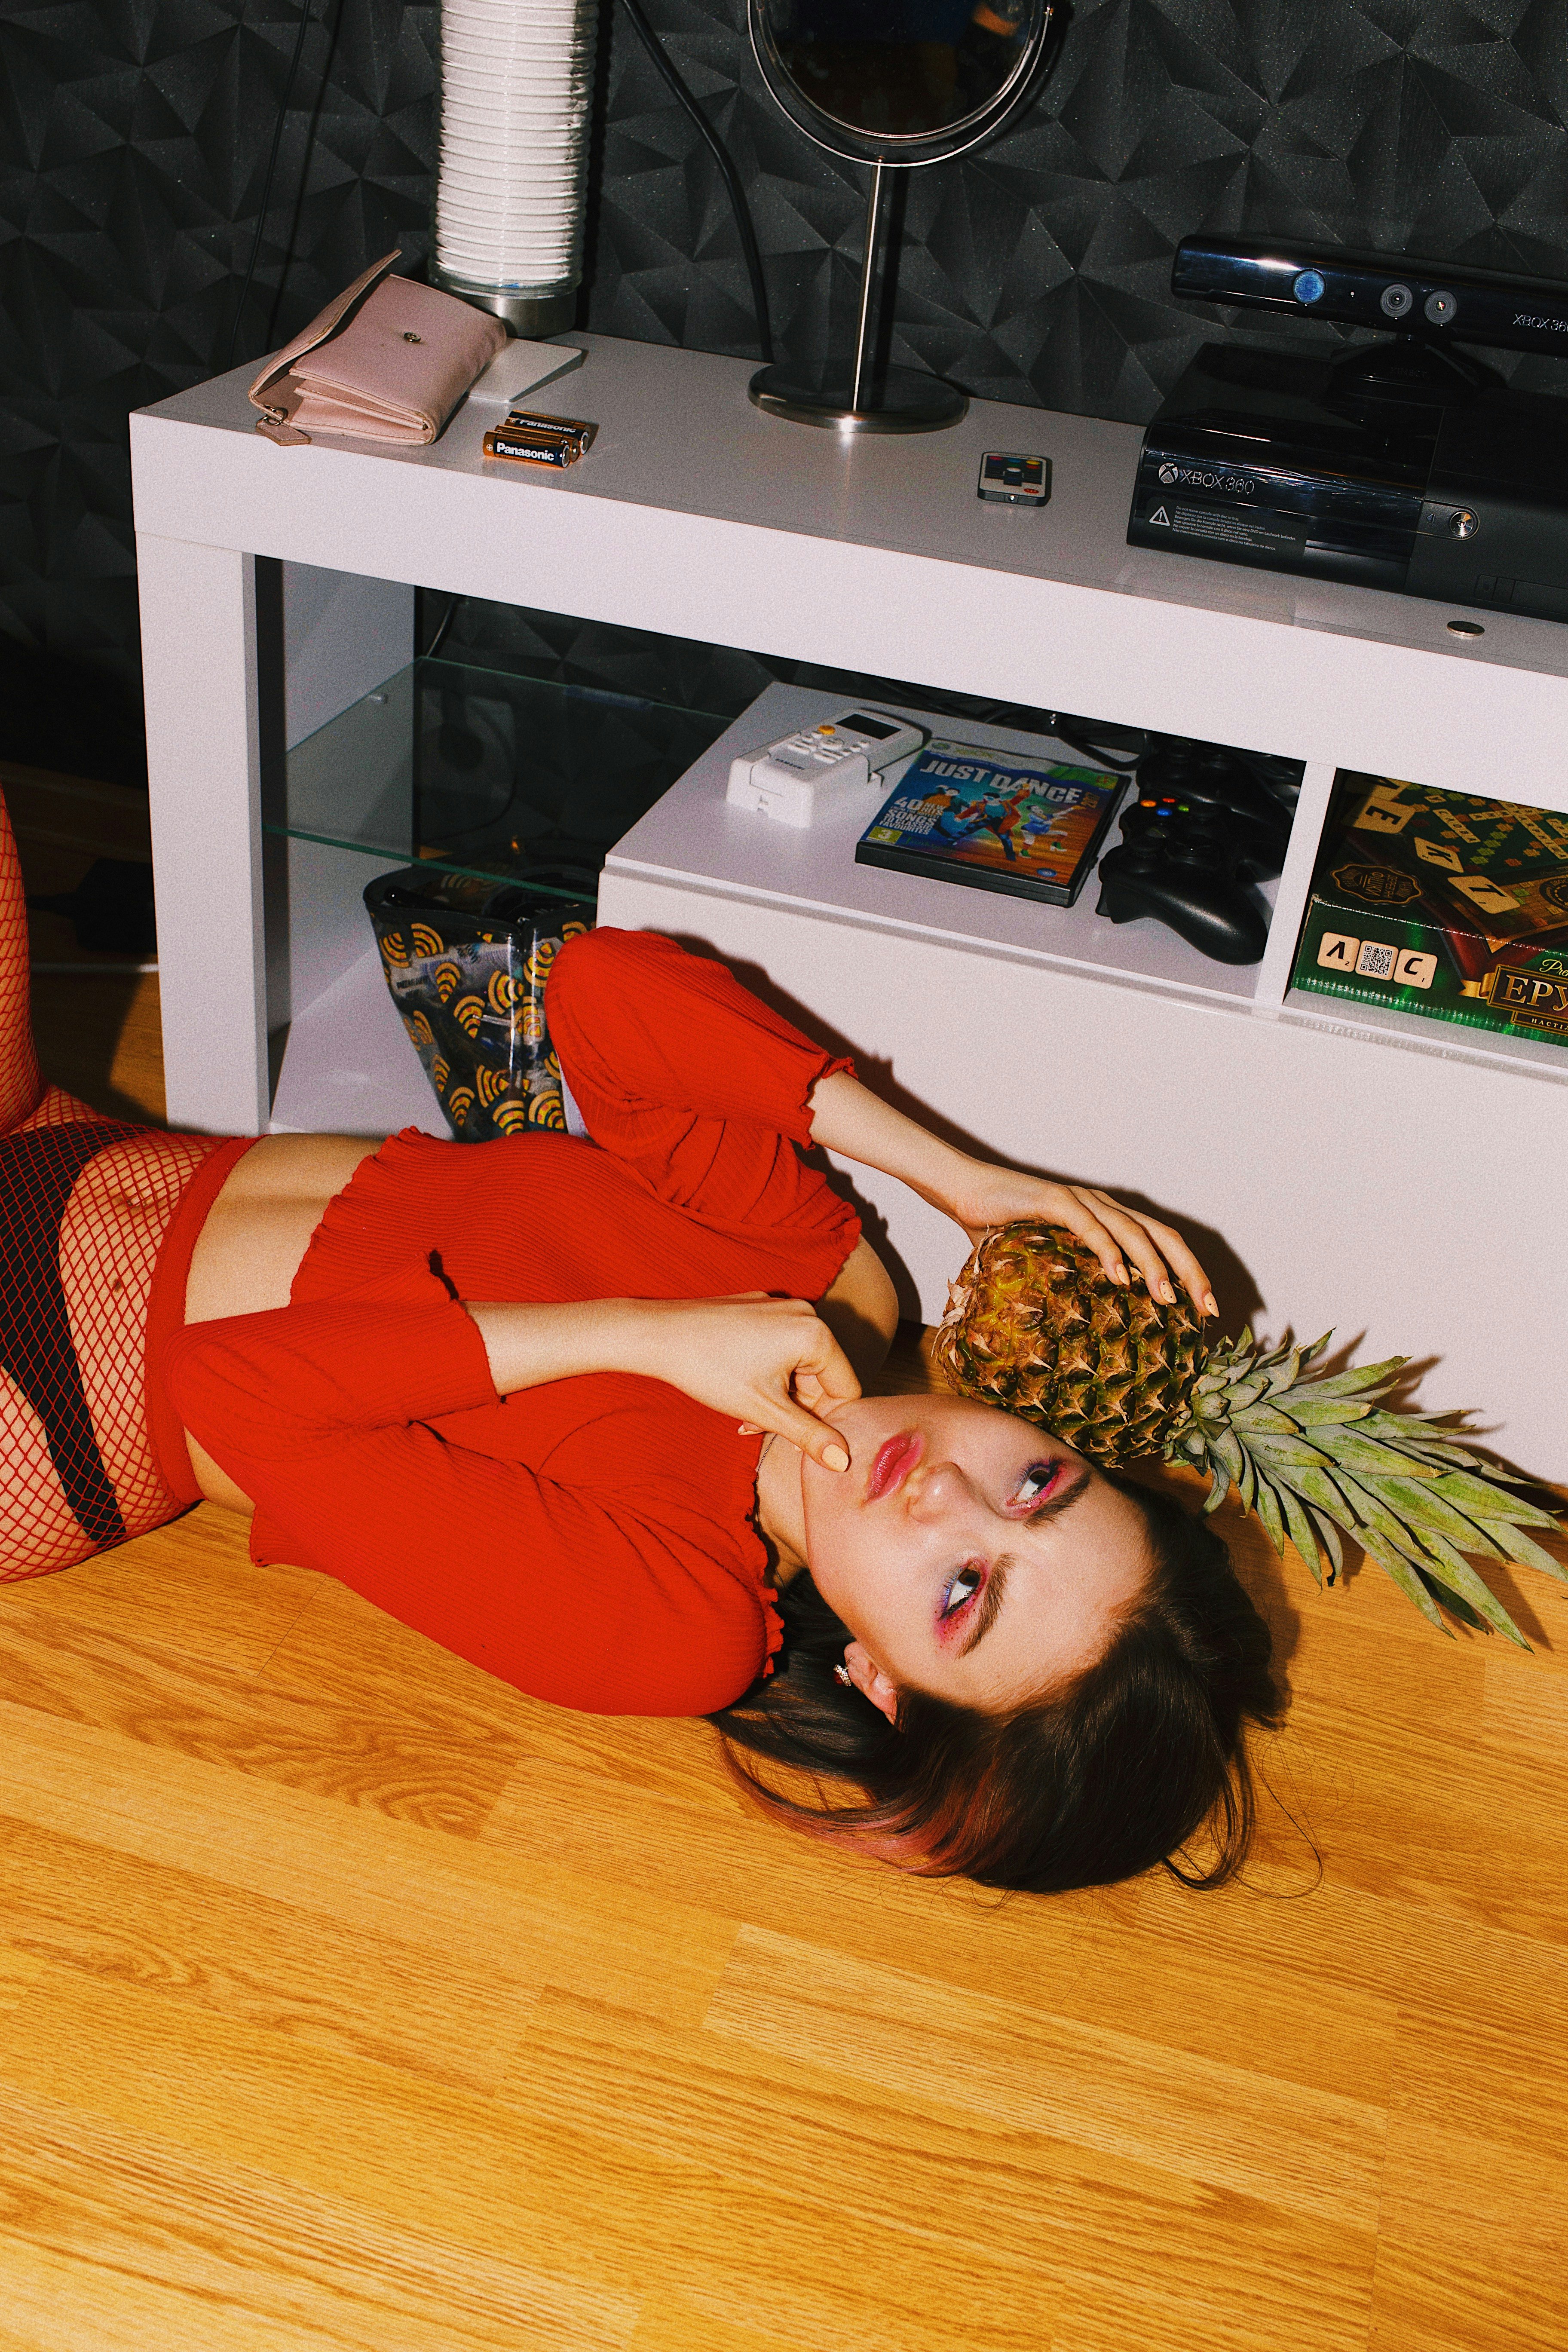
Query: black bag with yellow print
(467, 958)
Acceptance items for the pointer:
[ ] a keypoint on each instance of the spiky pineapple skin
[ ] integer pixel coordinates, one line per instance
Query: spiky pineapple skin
(1035, 1325)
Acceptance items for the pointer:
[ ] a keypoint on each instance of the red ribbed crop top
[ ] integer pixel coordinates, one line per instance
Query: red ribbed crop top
(590, 1540)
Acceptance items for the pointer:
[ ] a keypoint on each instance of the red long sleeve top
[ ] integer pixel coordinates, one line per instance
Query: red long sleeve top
(590, 1540)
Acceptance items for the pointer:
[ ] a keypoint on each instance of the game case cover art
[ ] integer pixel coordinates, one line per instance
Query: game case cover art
(994, 820)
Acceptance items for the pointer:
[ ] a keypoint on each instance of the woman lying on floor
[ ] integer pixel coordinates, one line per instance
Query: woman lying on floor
(577, 1410)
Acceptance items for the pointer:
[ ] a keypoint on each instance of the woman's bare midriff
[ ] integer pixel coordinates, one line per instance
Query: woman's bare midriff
(256, 1234)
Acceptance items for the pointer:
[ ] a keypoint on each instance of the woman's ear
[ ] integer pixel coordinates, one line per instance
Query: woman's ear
(870, 1680)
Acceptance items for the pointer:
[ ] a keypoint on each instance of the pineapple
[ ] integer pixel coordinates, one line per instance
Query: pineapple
(1035, 1325)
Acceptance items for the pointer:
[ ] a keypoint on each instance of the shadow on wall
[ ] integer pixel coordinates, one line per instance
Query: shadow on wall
(1240, 1299)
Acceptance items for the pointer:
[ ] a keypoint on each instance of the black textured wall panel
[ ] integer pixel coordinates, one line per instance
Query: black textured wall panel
(133, 142)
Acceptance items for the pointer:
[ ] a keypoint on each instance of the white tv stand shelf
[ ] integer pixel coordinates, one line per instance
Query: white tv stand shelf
(1397, 1176)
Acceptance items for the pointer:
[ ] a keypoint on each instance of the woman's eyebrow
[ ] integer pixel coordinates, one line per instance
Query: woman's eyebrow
(996, 1583)
(990, 1602)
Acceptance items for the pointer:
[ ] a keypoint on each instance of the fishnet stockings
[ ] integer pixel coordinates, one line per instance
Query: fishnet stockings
(77, 1467)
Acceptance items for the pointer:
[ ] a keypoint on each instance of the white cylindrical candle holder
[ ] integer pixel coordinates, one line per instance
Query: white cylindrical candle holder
(517, 86)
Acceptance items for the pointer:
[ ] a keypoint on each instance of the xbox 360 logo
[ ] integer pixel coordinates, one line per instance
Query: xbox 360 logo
(1199, 477)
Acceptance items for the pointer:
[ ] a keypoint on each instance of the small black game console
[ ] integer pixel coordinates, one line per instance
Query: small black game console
(1261, 458)
(1405, 463)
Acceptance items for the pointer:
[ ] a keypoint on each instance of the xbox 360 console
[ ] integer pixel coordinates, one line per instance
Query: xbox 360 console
(1285, 462)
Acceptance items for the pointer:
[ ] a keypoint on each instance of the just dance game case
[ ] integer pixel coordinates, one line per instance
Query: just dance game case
(997, 822)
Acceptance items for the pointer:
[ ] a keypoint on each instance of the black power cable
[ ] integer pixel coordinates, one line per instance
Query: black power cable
(266, 204)
(727, 170)
(434, 647)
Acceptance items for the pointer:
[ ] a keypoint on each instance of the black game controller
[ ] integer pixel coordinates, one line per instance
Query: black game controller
(1205, 776)
(1178, 861)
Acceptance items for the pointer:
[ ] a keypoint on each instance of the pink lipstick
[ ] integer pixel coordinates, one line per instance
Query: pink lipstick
(893, 1464)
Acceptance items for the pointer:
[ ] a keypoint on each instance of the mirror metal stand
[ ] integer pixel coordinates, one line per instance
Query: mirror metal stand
(895, 85)
(902, 400)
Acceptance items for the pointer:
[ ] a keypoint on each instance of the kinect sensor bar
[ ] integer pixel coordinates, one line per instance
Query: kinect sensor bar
(1375, 290)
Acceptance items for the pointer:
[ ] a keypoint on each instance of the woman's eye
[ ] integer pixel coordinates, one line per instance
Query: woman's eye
(962, 1588)
(1035, 1479)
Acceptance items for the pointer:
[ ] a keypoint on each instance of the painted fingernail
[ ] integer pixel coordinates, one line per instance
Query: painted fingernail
(1122, 1275)
(1167, 1294)
(1211, 1304)
(836, 1458)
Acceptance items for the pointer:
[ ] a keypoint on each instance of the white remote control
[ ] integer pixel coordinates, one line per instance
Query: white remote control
(792, 779)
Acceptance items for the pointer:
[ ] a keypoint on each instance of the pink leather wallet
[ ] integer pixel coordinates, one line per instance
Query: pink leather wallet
(387, 360)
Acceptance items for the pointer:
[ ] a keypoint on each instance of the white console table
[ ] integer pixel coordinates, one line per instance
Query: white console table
(1399, 1178)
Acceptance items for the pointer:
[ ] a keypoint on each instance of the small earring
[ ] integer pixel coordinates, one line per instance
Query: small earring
(841, 1674)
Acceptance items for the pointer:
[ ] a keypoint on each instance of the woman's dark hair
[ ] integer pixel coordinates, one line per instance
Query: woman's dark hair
(1112, 1772)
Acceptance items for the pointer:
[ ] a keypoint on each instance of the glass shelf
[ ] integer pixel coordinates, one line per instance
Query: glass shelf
(485, 772)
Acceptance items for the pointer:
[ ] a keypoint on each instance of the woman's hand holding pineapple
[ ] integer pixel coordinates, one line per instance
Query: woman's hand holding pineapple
(1116, 1233)
(849, 1119)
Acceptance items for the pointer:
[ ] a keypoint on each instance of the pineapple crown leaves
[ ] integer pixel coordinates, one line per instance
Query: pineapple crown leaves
(1035, 1325)
(1324, 1456)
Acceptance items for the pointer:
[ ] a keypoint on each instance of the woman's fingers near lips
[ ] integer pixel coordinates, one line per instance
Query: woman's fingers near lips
(833, 1455)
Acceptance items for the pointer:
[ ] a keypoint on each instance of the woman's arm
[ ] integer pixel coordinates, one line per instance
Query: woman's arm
(764, 1362)
(670, 1059)
(607, 1577)
(846, 1118)
(767, 1363)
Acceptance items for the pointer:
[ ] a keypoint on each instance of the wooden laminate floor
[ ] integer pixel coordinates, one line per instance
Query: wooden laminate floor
(350, 1999)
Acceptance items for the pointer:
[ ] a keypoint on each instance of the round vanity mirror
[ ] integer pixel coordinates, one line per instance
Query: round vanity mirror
(882, 78)
(895, 84)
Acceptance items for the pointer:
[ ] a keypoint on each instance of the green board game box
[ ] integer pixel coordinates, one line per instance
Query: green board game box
(1443, 904)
